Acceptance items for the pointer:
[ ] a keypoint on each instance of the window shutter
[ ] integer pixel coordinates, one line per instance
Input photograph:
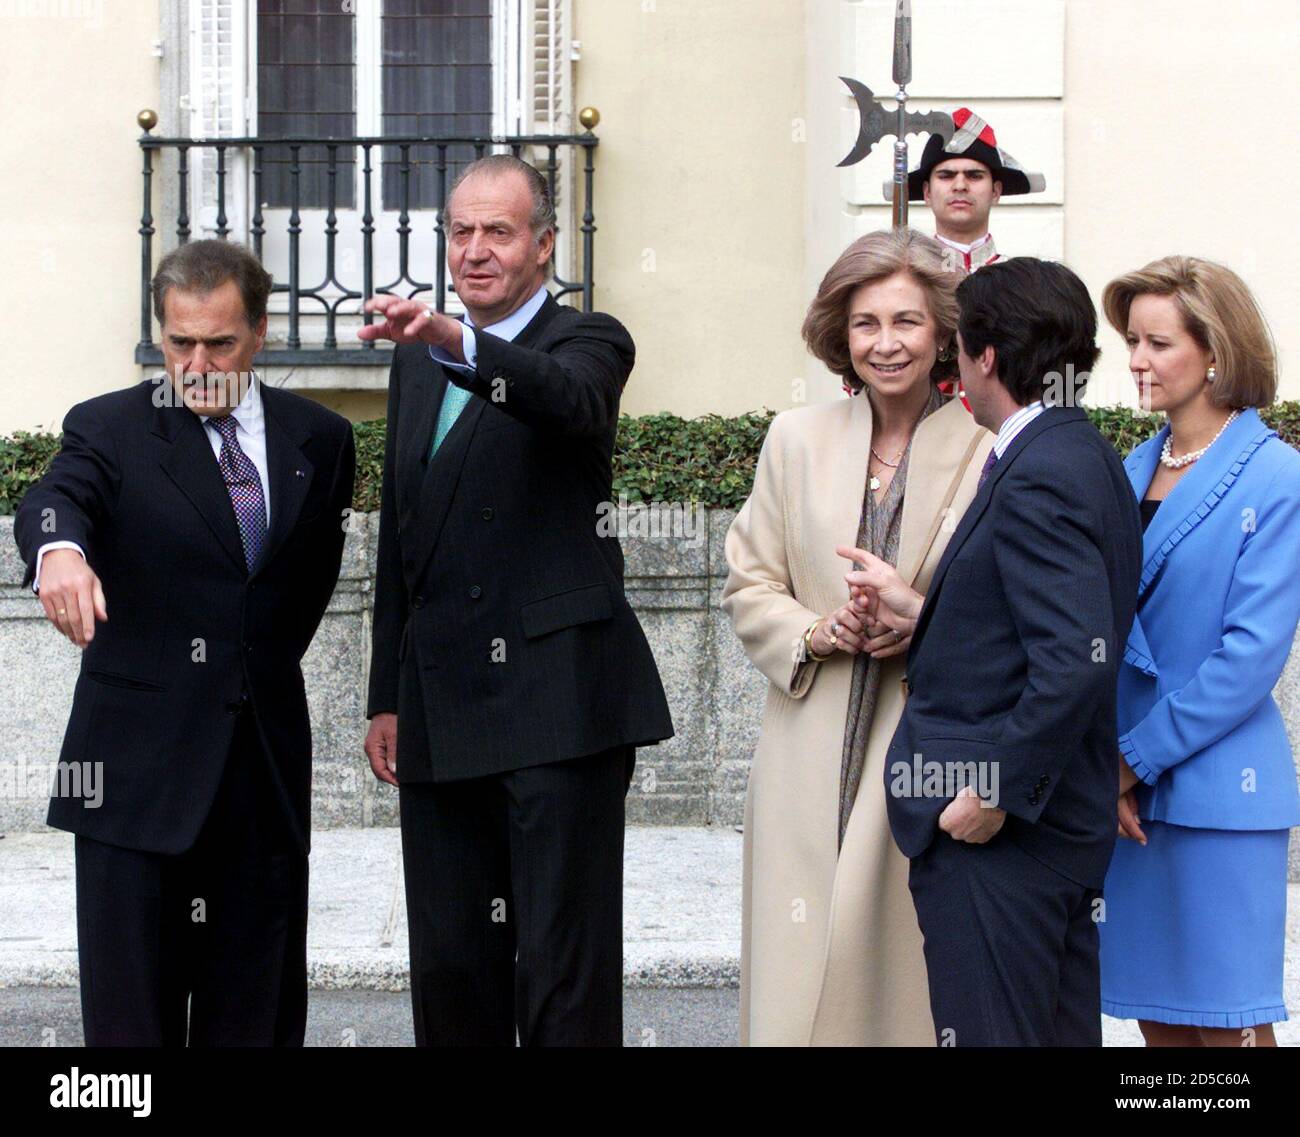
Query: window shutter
(550, 111)
(552, 72)
(220, 52)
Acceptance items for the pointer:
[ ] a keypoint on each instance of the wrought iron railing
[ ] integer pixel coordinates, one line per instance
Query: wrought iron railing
(330, 292)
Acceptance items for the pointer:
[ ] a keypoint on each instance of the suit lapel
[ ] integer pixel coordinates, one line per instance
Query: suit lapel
(189, 463)
(944, 444)
(1140, 466)
(438, 477)
(1049, 418)
(288, 471)
(537, 325)
(440, 481)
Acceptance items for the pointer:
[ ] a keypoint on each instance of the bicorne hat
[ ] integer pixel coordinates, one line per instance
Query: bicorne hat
(973, 138)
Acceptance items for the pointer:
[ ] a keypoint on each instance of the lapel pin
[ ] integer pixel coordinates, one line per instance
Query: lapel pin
(298, 474)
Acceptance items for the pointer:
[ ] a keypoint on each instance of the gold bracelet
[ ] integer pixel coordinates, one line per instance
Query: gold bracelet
(807, 642)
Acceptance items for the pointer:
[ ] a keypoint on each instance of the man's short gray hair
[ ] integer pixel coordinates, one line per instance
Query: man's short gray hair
(204, 266)
(494, 165)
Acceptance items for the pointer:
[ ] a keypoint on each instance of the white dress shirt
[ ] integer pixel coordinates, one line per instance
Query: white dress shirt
(975, 255)
(505, 329)
(250, 433)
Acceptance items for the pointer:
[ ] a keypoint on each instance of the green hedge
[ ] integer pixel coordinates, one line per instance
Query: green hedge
(656, 458)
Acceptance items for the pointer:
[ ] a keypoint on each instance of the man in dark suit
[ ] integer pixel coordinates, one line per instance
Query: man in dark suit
(1002, 777)
(208, 511)
(510, 680)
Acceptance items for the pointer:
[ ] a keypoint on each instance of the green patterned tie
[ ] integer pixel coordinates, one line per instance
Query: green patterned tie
(453, 402)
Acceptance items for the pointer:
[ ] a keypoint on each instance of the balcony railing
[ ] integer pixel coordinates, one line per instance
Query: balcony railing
(331, 293)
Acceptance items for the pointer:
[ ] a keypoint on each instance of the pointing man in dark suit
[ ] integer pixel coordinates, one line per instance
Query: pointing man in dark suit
(510, 680)
(206, 513)
(1012, 677)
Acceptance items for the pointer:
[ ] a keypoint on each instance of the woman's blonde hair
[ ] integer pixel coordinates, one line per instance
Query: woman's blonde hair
(874, 257)
(1219, 313)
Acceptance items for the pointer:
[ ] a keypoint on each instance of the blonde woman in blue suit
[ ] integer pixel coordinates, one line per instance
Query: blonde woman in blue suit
(1193, 935)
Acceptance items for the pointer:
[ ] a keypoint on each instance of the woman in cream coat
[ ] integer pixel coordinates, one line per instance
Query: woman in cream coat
(831, 953)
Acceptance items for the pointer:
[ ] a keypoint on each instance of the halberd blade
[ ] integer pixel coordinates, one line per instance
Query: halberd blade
(903, 43)
(931, 122)
(873, 123)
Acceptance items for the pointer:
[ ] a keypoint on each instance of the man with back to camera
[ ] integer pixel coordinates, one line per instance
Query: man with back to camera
(1012, 674)
(207, 512)
(510, 680)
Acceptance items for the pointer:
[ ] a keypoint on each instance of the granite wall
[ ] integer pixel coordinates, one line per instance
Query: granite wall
(674, 575)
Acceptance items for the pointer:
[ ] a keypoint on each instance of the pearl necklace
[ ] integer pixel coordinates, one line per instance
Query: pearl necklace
(1171, 463)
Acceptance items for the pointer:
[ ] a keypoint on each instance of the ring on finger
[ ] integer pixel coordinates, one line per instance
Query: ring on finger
(63, 611)
(835, 629)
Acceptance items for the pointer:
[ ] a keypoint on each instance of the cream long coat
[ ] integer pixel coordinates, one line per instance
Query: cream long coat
(831, 953)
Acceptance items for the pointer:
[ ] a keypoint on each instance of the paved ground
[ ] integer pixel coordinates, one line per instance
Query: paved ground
(681, 909)
(668, 1016)
(681, 952)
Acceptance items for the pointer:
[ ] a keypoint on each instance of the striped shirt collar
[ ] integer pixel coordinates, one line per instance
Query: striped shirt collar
(1015, 424)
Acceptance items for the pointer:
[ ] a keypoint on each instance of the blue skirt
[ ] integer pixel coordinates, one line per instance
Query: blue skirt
(1195, 927)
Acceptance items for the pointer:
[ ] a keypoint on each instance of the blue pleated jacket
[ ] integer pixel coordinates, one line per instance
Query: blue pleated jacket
(1218, 603)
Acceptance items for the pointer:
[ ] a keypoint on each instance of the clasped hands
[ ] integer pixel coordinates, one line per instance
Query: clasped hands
(880, 614)
(880, 618)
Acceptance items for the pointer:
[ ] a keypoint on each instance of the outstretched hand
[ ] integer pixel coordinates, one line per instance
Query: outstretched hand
(410, 321)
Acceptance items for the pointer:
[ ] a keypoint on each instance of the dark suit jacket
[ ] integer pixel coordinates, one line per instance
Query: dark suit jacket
(502, 637)
(1016, 653)
(191, 634)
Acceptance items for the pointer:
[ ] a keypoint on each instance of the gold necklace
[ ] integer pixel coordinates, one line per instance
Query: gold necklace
(873, 481)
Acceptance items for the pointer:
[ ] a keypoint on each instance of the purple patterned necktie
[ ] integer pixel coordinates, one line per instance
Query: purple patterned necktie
(989, 463)
(244, 487)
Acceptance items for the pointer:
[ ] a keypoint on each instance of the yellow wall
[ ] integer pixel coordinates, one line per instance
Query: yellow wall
(1177, 141)
(70, 86)
(717, 199)
(1173, 127)
(699, 194)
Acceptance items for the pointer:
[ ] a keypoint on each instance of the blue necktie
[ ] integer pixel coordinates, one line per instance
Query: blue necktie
(989, 463)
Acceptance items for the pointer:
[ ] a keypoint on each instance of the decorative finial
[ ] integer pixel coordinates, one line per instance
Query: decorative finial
(589, 117)
(147, 119)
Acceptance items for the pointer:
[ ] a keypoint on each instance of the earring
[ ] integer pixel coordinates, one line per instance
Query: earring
(947, 355)
(1209, 375)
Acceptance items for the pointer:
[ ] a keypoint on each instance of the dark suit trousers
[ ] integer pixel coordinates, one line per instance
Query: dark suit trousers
(222, 926)
(1010, 946)
(514, 894)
